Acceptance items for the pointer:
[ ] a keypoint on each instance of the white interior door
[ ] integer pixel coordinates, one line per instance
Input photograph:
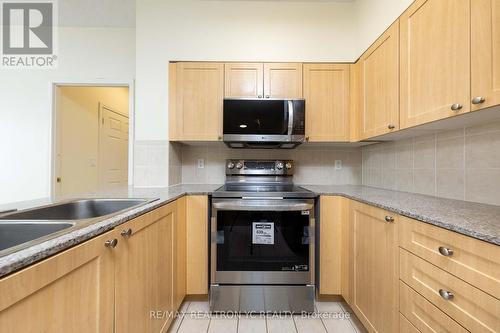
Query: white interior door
(113, 148)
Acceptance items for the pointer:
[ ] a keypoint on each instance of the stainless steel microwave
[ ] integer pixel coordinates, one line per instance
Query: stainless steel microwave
(264, 123)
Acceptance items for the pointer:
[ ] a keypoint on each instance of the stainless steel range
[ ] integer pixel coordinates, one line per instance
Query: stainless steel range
(262, 240)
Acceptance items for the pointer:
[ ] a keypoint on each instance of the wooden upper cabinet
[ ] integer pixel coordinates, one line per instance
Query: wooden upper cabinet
(326, 90)
(435, 60)
(283, 80)
(379, 86)
(375, 275)
(196, 97)
(244, 80)
(485, 53)
(72, 291)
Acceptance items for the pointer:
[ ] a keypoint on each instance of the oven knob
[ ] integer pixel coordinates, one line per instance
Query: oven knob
(288, 165)
(279, 165)
(239, 165)
(230, 165)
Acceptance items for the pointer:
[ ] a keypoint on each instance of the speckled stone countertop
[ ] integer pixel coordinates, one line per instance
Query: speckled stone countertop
(472, 219)
(40, 250)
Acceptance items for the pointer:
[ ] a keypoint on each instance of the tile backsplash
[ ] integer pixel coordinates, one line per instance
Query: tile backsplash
(460, 164)
(314, 165)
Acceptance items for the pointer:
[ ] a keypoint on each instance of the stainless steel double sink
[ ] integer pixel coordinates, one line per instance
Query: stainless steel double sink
(21, 229)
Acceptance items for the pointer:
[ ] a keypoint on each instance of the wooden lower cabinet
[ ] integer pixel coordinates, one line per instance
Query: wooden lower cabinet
(180, 253)
(197, 245)
(144, 272)
(334, 213)
(375, 276)
(70, 292)
(131, 287)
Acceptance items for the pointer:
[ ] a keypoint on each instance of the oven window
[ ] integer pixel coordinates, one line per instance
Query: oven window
(255, 117)
(262, 241)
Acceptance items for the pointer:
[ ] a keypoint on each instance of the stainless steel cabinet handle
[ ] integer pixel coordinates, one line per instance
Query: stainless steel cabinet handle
(389, 219)
(391, 126)
(456, 107)
(445, 251)
(447, 295)
(267, 96)
(260, 96)
(478, 100)
(111, 243)
(126, 233)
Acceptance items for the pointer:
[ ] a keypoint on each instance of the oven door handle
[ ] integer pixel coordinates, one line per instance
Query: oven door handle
(256, 205)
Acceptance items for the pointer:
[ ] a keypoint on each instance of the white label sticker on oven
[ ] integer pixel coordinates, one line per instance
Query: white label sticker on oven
(263, 233)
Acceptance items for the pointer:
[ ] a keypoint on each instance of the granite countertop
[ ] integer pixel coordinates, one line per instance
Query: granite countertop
(472, 219)
(476, 220)
(26, 256)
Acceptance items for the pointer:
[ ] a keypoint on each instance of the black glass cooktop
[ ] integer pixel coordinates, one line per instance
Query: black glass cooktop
(255, 190)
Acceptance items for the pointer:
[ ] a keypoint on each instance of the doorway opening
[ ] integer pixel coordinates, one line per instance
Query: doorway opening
(91, 138)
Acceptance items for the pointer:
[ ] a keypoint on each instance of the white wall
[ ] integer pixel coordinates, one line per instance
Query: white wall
(85, 54)
(226, 30)
(374, 17)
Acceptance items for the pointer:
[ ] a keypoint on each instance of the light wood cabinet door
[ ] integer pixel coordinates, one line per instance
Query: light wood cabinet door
(244, 80)
(334, 211)
(326, 90)
(283, 80)
(197, 244)
(180, 253)
(196, 98)
(379, 86)
(435, 60)
(485, 53)
(69, 292)
(143, 280)
(375, 268)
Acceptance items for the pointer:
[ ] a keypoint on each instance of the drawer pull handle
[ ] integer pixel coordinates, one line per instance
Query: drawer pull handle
(447, 295)
(126, 233)
(111, 243)
(389, 219)
(445, 251)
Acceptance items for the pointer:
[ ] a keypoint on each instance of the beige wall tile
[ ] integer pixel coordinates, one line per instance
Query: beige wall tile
(483, 185)
(404, 180)
(425, 181)
(450, 153)
(450, 183)
(483, 150)
(425, 153)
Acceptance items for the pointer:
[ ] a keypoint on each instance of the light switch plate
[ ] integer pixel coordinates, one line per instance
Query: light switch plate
(201, 163)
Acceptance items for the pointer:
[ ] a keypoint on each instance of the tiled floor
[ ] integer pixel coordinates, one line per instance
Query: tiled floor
(330, 317)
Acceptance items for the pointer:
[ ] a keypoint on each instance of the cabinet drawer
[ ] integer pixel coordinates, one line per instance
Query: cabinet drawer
(423, 315)
(405, 326)
(472, 260)
(470, 307)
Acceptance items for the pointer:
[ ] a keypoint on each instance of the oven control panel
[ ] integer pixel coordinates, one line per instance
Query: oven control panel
(259, 167)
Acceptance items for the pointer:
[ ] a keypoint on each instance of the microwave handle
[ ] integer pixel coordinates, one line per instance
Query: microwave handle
(290, 117)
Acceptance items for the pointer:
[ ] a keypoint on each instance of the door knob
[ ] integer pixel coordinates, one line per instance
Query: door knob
(391, 126)
(111, 243)
(267, 96)
(478, 100)
(456, 107)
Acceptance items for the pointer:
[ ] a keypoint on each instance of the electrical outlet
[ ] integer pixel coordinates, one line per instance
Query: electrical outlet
(338, 164)
(201, 163)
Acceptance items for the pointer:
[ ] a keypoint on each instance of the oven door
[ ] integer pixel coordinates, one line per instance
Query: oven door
(262, 241)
